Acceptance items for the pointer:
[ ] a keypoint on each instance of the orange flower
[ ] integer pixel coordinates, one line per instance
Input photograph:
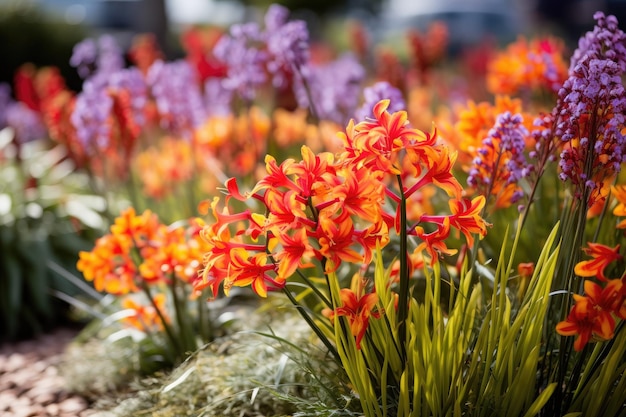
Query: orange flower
(474, 121)
(357, 308)
(145, 317)
(375, 144)
(174, 167)
(602, 256)
(361, 194)
(250, 270)
(433, 242)
(296, 251)
(140, 229)
(466, 217)
(592, 313)
(524, 65)
(109, 265)
(526, 269)
(619, 192)
(335, 240)
(582, 322)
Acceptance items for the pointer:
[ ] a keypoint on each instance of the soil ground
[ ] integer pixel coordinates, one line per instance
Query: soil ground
(30, 383)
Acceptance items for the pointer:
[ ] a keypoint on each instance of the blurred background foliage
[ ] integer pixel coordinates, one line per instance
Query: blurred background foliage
(46, 218)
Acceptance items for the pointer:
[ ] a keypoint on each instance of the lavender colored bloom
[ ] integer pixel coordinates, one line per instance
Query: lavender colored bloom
(5, 101)
(334, 88)
(509, 134)
(275, 17)
(591, 107)
(110, 58)
(217, 99)
(26, 122)
(605, 41)
(178, 97)
(89, 118)
(245, 61)
(90, 57)
(380, 91)
(94, 106)
(84, 57)
(287, 45)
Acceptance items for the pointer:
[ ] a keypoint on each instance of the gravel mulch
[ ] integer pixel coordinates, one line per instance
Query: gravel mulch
(30, 383)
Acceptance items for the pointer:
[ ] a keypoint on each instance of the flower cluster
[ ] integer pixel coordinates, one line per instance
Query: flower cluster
(381, 90)
(250, 52)
(142, 251)
(331, 89)
(528, 65)
(590, 111)
(337, 210)
(501, 162)
(594, 314)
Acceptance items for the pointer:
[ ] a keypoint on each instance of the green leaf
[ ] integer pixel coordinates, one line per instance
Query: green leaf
(541, 400)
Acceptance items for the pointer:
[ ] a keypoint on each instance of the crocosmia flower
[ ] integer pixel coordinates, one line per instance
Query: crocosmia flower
(593, 313)
(602, 256)
(525, 65)
(357, 306)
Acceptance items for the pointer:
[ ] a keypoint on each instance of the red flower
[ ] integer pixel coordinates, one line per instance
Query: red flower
(591, 315)
(602, 256)
(357, 308)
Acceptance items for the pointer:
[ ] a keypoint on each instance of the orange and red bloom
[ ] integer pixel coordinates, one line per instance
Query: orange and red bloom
(141, 250)
(594, 313)
(334, 209)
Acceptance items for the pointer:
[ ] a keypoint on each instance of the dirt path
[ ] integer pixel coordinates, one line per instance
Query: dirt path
(30, 385)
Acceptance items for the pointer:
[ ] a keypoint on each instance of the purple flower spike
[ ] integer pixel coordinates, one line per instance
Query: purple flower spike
(178, 97)
(246, 62)
(26, 122)
(287, 45)
(102, 57)
(5, 101)
(591, 107)
(334, 88)
(380, 91)
(507, 140)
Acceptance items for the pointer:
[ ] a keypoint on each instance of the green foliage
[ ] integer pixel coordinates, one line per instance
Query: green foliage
(39, 227)
(479, 359)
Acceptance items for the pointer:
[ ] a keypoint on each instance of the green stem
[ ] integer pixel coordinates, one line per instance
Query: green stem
(204, 322)
(312, 325)
(168, 329)
(182, 318)
(403, 296)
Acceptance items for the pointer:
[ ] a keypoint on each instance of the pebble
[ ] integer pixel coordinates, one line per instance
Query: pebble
(30, 384)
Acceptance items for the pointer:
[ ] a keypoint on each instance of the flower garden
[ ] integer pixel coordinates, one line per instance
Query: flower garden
(272, 226)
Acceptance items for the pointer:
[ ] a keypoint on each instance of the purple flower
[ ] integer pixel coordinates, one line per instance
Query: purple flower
(176, 91)
(94, 105)
(245, 60)
(590, 110)
(217, 99)
(5, 101)
(110, 58)
(90, 57)
(501, 158)
(380, 91)
(26, 122)
(84, 57)
(334, 88)
(605, 41)
(287, 45)
(89, 118)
